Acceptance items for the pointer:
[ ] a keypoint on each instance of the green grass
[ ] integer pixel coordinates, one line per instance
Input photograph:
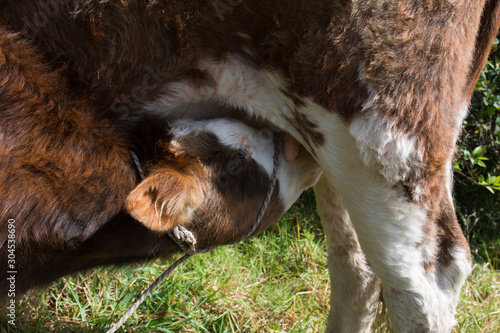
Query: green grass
(277, 282)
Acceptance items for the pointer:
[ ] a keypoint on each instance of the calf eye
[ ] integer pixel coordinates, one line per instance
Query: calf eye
(242, 153)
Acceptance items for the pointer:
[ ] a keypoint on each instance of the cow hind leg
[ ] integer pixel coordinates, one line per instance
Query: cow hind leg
(355, 288)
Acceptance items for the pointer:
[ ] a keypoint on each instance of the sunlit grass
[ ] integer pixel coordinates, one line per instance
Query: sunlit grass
(277, 282)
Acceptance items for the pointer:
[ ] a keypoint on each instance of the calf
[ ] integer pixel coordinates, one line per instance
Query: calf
(67, 176)
(376, 90)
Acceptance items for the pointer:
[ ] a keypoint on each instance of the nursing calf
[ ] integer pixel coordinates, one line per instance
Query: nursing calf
(70, 187)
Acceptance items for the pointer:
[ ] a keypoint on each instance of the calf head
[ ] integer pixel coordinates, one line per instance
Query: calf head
(212, 177)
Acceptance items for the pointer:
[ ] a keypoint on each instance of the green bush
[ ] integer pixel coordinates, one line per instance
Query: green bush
(477, 167)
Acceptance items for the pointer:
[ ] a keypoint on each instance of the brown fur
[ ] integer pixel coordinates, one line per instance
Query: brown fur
(65, 158)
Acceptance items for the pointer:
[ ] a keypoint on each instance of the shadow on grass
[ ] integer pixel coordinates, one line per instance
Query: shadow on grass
(25, 325)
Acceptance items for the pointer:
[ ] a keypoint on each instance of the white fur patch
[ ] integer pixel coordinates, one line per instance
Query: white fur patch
(448, 182)
(235, 135)
(236, 84)
(381, 143)
(462, 113)
(296, 176)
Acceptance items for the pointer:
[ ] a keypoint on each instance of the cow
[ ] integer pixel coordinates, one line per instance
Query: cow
(375, 90)
(73, 196)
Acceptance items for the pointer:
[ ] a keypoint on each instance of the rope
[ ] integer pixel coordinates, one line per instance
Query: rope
(137, 164)
(145, 294)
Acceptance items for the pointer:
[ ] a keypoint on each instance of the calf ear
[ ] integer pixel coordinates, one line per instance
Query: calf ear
(167, 199)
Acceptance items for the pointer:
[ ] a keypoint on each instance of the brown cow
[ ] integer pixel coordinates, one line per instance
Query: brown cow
(376, 90)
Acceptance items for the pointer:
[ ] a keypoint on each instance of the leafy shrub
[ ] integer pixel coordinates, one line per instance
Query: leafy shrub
(477, 167)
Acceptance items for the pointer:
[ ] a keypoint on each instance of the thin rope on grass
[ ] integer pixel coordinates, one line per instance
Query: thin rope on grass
(145, 294)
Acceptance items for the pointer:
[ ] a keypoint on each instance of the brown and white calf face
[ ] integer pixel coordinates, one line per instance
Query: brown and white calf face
(213, 178)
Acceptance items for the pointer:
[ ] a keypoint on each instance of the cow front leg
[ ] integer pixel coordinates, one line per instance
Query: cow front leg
(355, 289)
(417, 252)
(410, 236)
